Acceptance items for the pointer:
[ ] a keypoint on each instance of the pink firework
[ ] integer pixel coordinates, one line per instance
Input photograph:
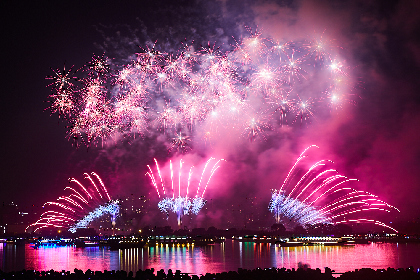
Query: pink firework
(202, 90)
(78, 207)
(179, 192)
(320, 195)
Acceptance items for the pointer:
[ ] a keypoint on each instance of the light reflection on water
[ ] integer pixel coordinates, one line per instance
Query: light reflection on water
(227, 256)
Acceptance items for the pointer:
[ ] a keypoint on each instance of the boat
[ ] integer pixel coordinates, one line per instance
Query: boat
(89, 242)
(180, 240)
(316, 241)
(284, 243)
(126, 243)
(53, 242)
(256, 239)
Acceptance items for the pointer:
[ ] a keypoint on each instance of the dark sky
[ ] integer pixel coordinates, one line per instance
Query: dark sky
(376, 140)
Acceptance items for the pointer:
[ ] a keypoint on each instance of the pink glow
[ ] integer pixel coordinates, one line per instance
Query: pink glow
(227, 256)
(68, 258)
(62, 214)
(185, 182)
(297, 202)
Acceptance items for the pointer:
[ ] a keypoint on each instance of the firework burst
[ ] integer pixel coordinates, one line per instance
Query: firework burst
(79, 207)
(290, 82)
(182, 195)
(320, 195)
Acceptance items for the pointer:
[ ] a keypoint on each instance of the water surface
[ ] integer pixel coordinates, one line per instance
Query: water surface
(227, 256)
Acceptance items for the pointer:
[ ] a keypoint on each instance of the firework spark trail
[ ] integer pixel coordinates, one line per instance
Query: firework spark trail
(183, 204)
(213, 170)
(319, 197)
(292, 170)
(72, 215)
(77, 194)
(181, 94)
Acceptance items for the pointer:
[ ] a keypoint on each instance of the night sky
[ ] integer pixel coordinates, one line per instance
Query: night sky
(374, 138)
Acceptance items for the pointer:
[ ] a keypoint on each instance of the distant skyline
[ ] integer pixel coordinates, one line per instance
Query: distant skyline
(373, 138)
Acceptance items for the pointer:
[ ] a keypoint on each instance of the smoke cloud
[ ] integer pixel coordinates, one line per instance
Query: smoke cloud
(371, 136)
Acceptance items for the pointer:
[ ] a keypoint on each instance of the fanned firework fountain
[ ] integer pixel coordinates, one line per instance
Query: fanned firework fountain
(79, 207)
(176, 198)
(322, 196)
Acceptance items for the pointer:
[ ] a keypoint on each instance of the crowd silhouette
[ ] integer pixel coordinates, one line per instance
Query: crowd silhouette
(301, 273)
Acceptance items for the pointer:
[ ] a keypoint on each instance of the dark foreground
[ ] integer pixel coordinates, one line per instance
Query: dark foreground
(241, 274)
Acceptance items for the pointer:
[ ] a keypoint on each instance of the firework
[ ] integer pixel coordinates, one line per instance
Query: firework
(79, 207)
(201, 90)
(182, 195)
(63, 79)
(320, 195)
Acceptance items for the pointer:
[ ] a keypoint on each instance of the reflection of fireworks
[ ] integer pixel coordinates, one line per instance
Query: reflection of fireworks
(79, 208)
(322, 196)
(203, 90)
(177, 199)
